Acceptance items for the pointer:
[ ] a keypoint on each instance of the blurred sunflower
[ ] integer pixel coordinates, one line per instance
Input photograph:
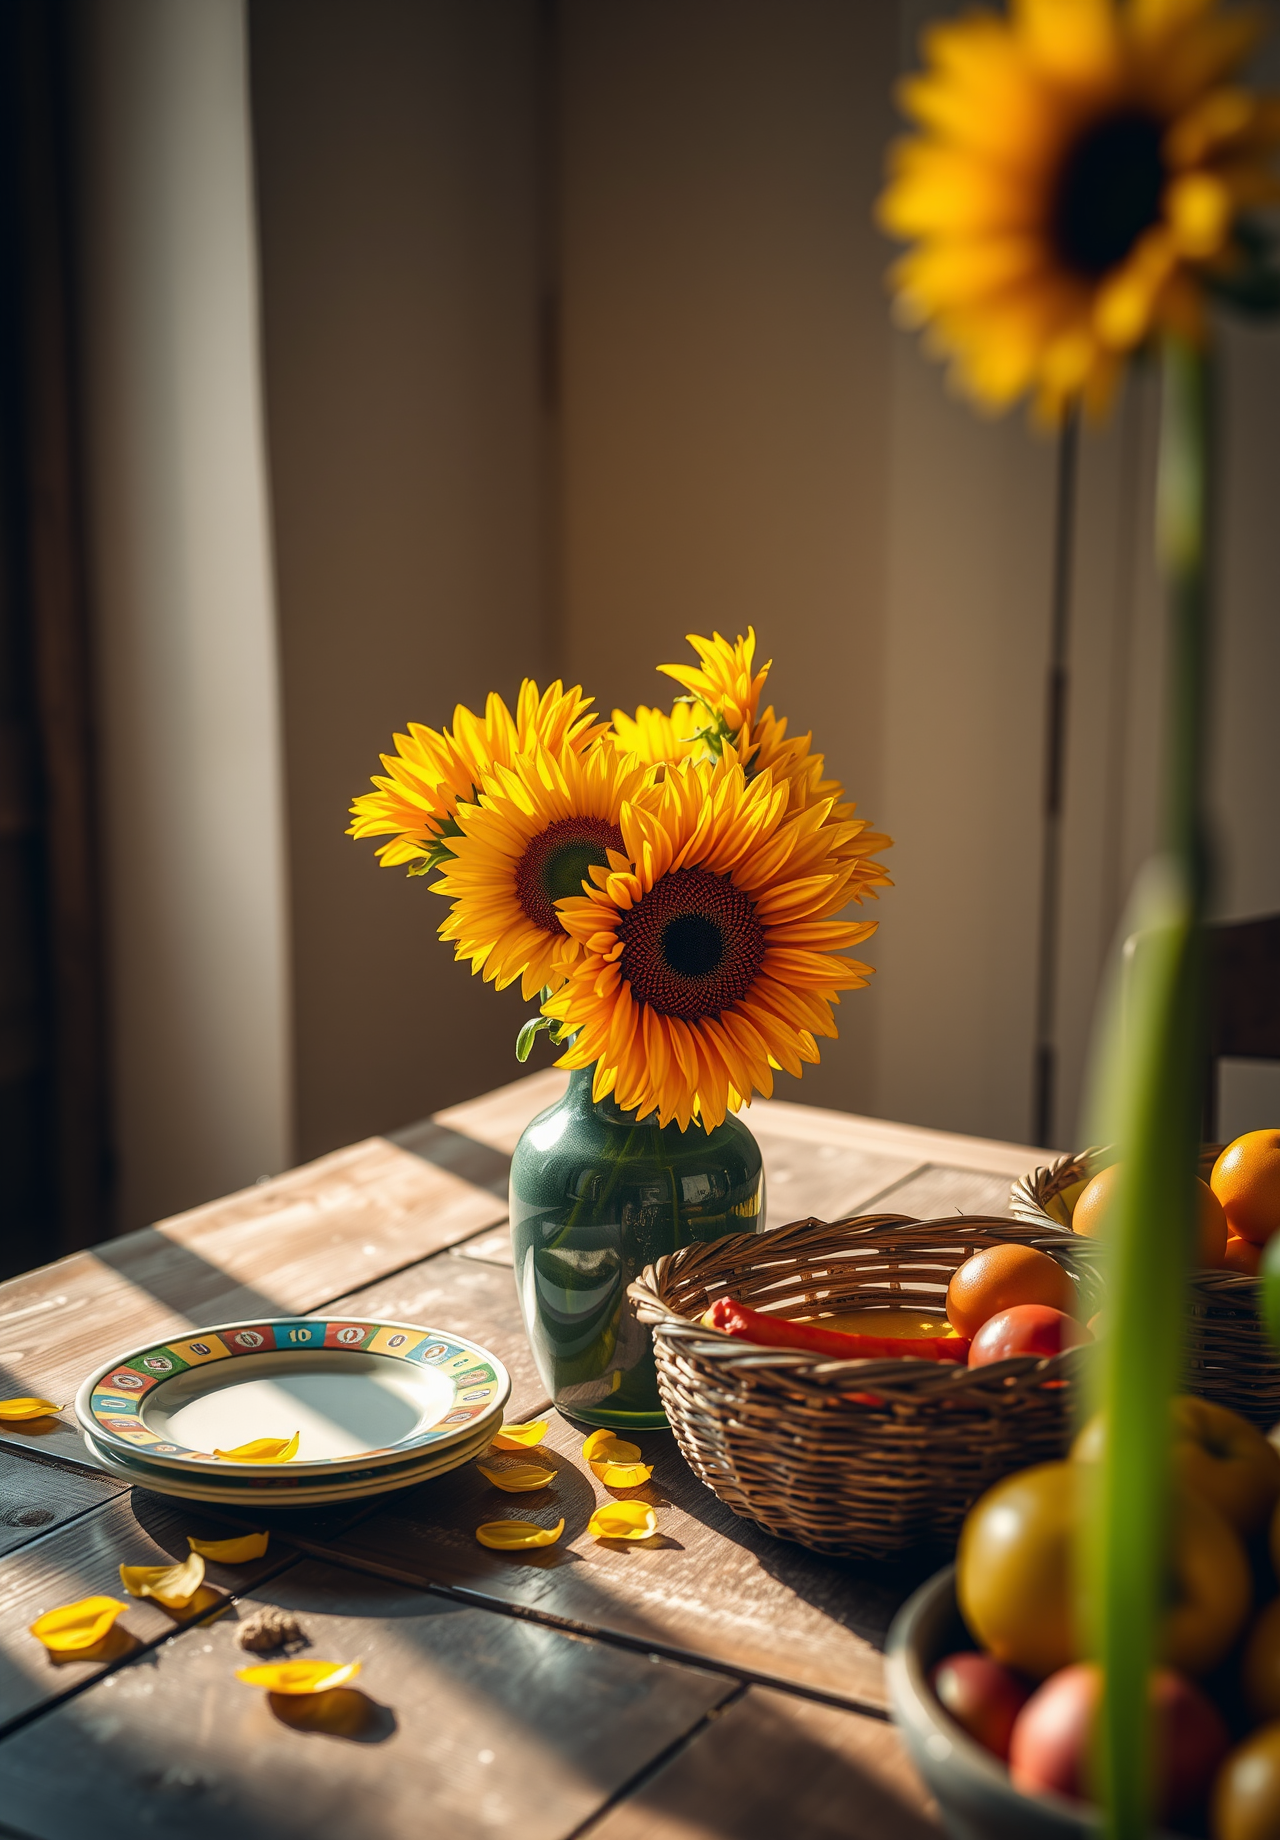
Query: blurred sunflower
(432, 770)
(1080, 177)
(709, 952)
(541, 822)
(722, 706)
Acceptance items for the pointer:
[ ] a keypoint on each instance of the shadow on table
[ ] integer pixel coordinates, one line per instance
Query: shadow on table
(863, 1595)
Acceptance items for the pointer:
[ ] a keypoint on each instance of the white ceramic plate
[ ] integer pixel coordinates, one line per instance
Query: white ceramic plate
(362, 1395)
(209, 1487)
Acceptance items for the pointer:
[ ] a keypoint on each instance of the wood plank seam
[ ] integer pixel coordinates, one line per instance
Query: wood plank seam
(636, 1783)
(645, 1645)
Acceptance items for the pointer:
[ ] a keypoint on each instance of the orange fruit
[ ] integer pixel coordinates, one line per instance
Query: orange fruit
(1001, 1276)
(1246, 1180)
(1089, 1215)
(1241, 1256)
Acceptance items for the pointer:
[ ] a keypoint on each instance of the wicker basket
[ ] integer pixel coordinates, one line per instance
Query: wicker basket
(867, 1458)
(1230, 1358)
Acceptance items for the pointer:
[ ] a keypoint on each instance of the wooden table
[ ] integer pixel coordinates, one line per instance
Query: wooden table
(714, 1682)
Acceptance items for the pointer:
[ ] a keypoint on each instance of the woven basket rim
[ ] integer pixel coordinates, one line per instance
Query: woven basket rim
(934, 1378)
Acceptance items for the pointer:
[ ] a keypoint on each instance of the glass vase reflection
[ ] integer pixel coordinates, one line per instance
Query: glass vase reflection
(595, 1197)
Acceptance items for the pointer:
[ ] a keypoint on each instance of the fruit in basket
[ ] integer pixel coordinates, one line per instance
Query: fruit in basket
(1053, 1738)
(1015, 1565)
(1060, 1205)
(1246, 1180)
(1212, 1587)
(999, 1277)
(1216, 1453)
(1028, 1328)
(1241, 1256)
(981, 1696)
(1246, 1795)
(1089, 1215)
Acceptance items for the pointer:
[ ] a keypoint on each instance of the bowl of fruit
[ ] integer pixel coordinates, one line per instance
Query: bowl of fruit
(856, 1385)
(988, 1678)
(1231, 1358)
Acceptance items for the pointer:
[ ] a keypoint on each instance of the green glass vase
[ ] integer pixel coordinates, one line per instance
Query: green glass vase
(595, 1197)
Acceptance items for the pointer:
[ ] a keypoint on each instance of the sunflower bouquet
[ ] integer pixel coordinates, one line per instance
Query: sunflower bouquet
(670, 886)
(670, 883)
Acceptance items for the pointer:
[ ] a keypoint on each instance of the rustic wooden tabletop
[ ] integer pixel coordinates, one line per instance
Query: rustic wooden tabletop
(715, 1682)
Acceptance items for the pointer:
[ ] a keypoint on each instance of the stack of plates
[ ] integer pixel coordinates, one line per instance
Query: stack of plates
(377, 1405)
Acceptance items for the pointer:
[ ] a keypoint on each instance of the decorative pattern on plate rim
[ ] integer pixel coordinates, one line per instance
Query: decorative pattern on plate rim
(110, 1404)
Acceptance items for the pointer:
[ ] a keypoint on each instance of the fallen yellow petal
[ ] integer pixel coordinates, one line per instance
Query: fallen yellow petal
(521, 1437)
(622, 1475)
(171, 1585)
(13, 1409)
(230, 1552)
(262, 1450)
(520, 1479)
(605, 1447)
(75, 1626)
(591, 1449)
(623, 1520)
(299, 1676)
(513, 1536)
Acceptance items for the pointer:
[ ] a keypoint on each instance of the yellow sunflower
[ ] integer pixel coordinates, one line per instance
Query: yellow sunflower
(539, 825)
(433, 770)
(709, 954)
(1081, 172)
(723, 706)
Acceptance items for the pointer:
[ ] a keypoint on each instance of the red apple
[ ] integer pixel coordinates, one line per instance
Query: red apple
(1028, 1328)
(982, 1696)
(1052, 1741)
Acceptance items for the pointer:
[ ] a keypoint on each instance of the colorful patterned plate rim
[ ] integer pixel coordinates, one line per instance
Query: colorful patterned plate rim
(362, 1392)
(205, 1485)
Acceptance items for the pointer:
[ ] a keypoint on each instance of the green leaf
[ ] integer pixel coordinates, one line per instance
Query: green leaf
(529, 1034)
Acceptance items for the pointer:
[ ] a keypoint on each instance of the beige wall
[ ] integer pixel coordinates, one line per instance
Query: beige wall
(397, 200)
(726, 364)
(185, 626)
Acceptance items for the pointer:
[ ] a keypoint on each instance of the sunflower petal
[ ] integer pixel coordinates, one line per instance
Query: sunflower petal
(623, 1520)
(516, 1536)
(298, 1677)
(519, 1479)
(77, 1626)
(521, 1437)
(173, 1586)
(237, 1551)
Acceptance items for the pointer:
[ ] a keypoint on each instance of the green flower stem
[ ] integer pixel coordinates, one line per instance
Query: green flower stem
(1149, 1105)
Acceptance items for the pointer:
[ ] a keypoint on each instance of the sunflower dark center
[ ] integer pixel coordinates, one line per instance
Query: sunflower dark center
(556, 863)
(691, 946)
(1108, 193)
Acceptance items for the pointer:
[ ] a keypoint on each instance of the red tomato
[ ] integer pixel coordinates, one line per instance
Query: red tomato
(1028, 1328)
(982, 1696)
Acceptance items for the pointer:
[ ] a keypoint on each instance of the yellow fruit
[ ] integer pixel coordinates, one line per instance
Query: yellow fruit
(1014, 1568)
(1016, 1589)
(1212, 1589)
(1246, 1796)
(1216, 1453)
